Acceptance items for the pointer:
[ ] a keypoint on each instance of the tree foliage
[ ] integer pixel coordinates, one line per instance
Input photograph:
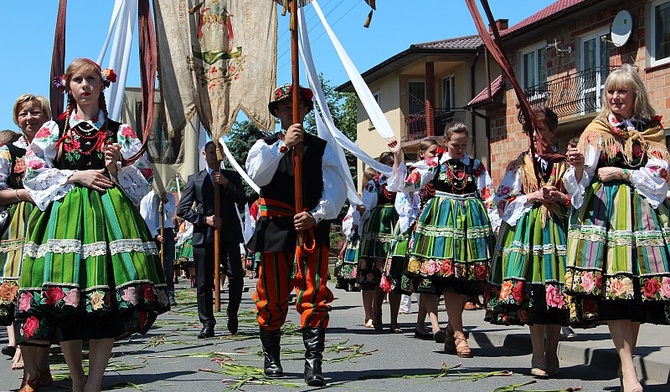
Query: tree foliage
(242, 136)
(342, 107)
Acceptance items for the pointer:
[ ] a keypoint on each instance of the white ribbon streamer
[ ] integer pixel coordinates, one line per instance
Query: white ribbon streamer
(122, 25)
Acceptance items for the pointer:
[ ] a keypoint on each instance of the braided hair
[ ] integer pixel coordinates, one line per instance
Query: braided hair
(80, 65)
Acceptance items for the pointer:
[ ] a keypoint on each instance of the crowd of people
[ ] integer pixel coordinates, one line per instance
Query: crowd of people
(565, 240)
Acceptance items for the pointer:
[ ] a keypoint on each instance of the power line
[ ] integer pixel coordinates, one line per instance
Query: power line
(317, 38)
(311, 17)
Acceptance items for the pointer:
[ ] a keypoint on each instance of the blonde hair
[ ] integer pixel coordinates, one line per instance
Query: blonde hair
(42, 101)
(626, 77)
(426, 144)
(369, 174)
(8, 136)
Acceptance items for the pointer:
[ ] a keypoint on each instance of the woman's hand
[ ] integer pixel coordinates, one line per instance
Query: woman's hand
(112, 156)
(24, 195)
(541, 196)
(558, 196)
(394, 147)
(94, 179)
(609, 173)
(576, 159)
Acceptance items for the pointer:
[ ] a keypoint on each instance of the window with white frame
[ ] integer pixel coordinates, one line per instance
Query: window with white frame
(448, 95)
(416, 97)
(534, 66)
(594, 63)
(660, 32)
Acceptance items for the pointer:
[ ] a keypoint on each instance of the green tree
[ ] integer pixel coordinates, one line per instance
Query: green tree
(242, 136)
(342, 107)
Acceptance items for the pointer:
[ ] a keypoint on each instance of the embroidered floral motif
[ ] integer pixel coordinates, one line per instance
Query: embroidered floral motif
(8, 290)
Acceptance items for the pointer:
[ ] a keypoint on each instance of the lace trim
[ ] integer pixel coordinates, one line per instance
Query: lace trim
(89, 250)
(133, 245)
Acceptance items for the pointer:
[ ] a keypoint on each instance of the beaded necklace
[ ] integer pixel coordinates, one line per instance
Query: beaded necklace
(456, 176)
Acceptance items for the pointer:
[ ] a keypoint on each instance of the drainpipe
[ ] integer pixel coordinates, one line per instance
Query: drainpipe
(430, 99)
(473, 93)
(486, 119)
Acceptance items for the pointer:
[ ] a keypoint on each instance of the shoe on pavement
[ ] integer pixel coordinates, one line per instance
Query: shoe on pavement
(207, 332)
(568, 332)
(422, 335)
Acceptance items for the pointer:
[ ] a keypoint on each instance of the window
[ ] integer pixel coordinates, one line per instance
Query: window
(448, 96)
(416, 97)
(595, 64)
(533, 68)
(660, 32)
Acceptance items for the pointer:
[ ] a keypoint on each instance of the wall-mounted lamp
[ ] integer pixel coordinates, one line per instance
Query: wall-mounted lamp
(559, 51)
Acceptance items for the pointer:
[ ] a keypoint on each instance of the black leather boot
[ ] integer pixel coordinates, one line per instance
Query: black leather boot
(314, 339)
(235, 287)
(270, 340)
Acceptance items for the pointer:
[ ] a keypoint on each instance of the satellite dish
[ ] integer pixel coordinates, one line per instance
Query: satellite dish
(622, 26)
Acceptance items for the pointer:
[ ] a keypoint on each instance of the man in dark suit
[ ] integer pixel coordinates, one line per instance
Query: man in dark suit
(197, 206)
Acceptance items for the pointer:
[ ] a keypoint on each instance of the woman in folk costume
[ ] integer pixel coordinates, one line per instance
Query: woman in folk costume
(528, 267)
(91, 270)
(345, 266)
(375, 245)
(409, 205)
(618, 265)
(453, 238)
(30, 113)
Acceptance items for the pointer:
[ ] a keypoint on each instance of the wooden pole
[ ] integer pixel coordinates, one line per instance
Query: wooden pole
(297, 149)
(161, 252)
(217, 243)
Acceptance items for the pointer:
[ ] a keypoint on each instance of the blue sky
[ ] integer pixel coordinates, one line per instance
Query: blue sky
(27, 30)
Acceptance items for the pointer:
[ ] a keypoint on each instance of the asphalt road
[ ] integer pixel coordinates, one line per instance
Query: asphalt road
(171, 358)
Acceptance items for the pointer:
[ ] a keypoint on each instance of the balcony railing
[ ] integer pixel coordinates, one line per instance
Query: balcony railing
(578, 93)
(416, 123)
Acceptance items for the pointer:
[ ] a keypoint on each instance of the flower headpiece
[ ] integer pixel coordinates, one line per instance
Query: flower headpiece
(285, 92)
(59, 82)
(108, 76)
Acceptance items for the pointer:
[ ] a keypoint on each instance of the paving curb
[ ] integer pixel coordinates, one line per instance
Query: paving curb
(652, 366)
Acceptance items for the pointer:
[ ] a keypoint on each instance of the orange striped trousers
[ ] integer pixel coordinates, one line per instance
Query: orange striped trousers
(275, 283)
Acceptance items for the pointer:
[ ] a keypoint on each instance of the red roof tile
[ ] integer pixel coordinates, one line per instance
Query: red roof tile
(558, 6)
(483, 95)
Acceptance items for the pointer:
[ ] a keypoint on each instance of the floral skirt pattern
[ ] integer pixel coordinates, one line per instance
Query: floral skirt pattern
(453, 240)
(527, 271)
(618, 263)
(90, 261)
(393, 272)
(375, 245)
(11, 256)
(345, 266)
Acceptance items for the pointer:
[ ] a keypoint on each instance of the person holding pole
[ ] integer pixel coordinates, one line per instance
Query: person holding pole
(281, 269)
(157, 213)
(200, 191)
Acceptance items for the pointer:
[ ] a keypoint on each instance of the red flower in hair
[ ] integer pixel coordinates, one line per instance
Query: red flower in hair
(108, 76)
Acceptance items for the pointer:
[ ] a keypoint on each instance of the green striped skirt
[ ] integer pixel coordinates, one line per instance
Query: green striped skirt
(375, 245)
(185, 251)
(91, 270)
(618, 257)
(527, 271)
(11, 256)
(453, 240)
(393, 272)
